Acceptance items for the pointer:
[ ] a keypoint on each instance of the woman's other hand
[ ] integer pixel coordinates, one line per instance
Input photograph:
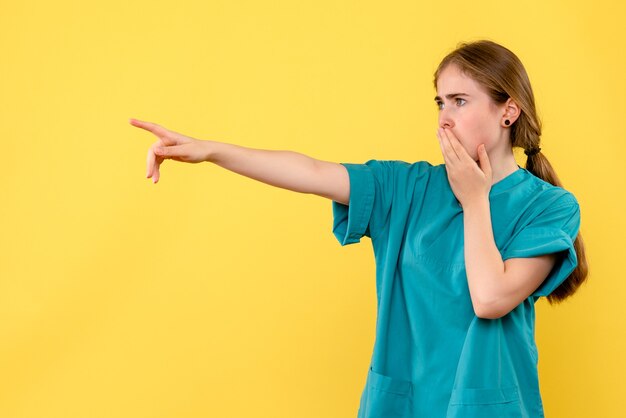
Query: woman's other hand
(468, 179)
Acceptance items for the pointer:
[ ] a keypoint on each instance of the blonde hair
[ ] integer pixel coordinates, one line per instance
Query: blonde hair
(503, 76)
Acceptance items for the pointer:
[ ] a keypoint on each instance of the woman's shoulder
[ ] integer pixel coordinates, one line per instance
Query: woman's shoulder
(403, 167)
(398, 163)
(548, 192)
(402, 173)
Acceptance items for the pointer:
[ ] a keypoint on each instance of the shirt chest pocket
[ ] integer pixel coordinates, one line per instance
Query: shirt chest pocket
(438, 240)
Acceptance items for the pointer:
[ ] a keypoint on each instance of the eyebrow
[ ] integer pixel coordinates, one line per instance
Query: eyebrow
(451, 96)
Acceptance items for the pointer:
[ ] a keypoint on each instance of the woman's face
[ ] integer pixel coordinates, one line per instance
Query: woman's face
(467, 110)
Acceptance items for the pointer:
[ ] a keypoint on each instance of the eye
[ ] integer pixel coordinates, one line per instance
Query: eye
(463, 101)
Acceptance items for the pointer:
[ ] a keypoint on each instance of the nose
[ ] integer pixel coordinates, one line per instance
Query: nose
(445, 121)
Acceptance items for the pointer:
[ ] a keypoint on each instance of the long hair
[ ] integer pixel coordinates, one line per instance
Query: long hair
(503, 76)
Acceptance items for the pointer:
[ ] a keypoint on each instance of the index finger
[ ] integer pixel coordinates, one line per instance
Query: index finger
(447, 145)
(149, 126)
(456, 145)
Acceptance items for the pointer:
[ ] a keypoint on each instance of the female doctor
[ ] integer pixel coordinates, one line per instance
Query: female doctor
(463, 249)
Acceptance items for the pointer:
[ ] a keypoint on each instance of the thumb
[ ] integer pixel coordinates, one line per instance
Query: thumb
(483, 158)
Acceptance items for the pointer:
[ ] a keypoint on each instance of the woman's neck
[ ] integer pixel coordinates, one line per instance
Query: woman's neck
(502, 164)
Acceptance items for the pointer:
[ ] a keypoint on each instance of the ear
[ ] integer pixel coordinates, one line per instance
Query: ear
(511, 111)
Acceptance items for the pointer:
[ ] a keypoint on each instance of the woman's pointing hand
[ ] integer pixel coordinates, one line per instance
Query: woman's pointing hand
(170, 145)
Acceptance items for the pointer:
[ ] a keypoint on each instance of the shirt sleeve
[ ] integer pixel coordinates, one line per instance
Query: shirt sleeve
(370, 193)
(552, 231)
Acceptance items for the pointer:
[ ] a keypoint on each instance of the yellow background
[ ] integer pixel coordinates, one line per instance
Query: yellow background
(209, 294)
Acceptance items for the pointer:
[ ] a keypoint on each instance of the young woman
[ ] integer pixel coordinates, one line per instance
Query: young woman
(463, 249)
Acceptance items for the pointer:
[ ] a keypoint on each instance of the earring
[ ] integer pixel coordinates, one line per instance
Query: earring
(507, 122)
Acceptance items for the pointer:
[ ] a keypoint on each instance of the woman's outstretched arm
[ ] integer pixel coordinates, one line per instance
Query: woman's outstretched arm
(285, 169)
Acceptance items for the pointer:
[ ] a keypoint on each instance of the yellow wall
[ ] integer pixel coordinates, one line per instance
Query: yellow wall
(209, 294)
